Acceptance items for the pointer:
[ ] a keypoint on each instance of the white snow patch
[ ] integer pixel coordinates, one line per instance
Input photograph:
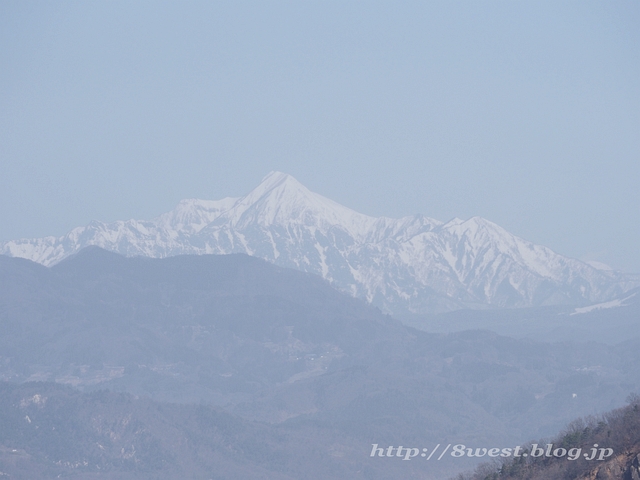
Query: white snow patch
(599, 266)
(323, 260)
(601, 306)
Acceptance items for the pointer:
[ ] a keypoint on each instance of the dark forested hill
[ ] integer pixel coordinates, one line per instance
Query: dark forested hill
(603, 447)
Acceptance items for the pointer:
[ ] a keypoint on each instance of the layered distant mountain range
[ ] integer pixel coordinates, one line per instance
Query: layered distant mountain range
(271, 374)
(413, 264)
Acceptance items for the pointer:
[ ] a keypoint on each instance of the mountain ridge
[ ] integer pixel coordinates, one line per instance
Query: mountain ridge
(282, 347)
(414, 264)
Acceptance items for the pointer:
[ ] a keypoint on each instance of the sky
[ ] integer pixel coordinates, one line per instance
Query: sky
(525, 113)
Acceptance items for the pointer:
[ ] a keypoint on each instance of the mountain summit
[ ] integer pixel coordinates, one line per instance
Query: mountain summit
(413, 264)
(281, 200)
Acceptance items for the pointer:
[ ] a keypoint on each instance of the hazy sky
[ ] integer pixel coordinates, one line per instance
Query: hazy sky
(525, 113)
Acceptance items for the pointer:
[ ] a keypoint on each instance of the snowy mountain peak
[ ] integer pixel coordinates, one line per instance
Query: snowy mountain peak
(192, 215)
(275, 178)
(453, 222)
(413, 264)
(281, 200)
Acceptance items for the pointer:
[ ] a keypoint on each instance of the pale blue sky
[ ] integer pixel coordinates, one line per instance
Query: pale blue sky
(525, 113)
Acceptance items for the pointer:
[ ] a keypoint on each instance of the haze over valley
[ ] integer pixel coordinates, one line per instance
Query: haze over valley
(276, 346)
(319, 240)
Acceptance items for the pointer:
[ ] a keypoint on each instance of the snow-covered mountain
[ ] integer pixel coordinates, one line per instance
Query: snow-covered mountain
(409, 265)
